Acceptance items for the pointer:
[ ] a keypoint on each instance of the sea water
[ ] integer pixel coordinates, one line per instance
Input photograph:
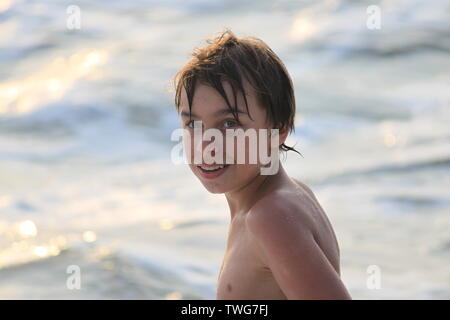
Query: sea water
(86, 115)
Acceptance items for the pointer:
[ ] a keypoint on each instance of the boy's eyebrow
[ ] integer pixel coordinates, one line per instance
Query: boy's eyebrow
(216, 114)
(188, 114)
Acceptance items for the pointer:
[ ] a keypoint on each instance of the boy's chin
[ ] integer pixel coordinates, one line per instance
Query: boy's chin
(215, 189)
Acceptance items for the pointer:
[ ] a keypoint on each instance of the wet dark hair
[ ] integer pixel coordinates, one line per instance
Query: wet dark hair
(228, 58)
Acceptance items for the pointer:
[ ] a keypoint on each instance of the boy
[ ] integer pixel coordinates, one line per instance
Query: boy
(281, 244)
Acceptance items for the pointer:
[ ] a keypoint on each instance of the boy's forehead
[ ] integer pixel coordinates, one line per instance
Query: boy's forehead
(207, 97)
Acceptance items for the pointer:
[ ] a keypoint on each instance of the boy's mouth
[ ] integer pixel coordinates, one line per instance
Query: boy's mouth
(212, 171)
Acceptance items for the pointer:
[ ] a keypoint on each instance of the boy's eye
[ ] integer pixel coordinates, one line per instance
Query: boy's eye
(190, 124)
(230, 124)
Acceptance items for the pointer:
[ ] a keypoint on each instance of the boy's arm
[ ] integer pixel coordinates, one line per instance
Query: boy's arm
(298, 264)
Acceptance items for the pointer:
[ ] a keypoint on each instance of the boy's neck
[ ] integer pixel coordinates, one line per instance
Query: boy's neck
(241, 200)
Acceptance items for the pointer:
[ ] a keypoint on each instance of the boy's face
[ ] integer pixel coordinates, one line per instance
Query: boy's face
(211, 109)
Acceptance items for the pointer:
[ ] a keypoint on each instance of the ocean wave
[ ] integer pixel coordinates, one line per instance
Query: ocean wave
(60, 118)
(388, 169)
(104, 274)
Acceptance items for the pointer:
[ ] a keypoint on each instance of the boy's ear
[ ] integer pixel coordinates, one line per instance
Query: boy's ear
(283, 133)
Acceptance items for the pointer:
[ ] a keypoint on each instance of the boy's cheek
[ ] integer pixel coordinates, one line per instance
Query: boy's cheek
(193, 168)
(188, 145)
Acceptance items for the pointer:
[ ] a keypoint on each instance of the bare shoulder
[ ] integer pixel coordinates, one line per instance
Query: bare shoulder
(280, 213)
(307, 190)
(286, 208)
(293, 217)
(275, 224)
(298, 249)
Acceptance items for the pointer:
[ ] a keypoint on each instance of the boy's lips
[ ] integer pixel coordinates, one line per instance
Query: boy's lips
(211, 171)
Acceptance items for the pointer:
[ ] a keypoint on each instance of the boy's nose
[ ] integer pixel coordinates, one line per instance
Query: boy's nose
(201, 145)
